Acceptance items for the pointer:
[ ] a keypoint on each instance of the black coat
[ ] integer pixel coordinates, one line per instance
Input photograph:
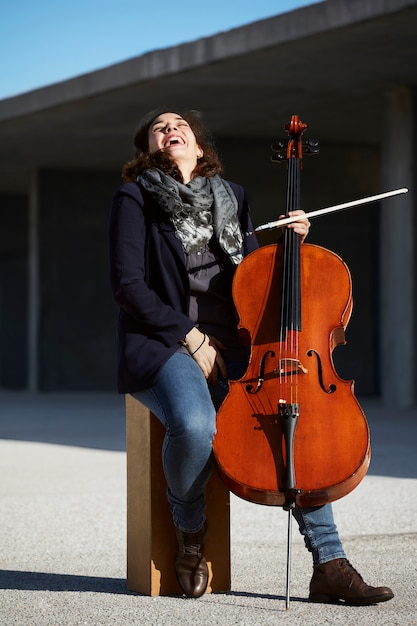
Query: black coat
(150, 283)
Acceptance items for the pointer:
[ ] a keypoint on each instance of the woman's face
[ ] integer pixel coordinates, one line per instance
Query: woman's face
(172, 134)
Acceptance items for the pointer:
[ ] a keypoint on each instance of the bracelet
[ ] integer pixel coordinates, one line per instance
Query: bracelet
(197, 349)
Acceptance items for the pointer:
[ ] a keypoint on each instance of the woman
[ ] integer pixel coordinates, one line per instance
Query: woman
(176, 234)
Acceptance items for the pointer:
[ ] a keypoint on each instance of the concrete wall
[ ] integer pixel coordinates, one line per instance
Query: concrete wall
(13, 291)
(77, 314)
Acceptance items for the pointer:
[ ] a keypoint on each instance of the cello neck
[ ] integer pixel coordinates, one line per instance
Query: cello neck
(291, 286)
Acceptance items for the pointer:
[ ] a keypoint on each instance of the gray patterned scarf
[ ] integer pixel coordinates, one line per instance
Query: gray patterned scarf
(197, 210)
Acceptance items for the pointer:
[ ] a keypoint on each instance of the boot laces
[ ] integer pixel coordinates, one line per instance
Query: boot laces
(345, 564)
(192, 548)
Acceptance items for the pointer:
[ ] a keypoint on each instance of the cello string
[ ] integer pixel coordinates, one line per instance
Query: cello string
(284, 297)
(290, 300)
(290, 283)
(296, 282)
(293, 283)
(282, 319)
(290, 287)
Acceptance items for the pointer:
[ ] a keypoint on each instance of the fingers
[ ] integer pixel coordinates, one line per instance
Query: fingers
(301, 226)
(210, 360)
(219, 364)
(205, 358)
(218, 368)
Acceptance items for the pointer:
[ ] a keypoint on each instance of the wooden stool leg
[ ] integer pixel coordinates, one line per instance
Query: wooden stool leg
(151, 542)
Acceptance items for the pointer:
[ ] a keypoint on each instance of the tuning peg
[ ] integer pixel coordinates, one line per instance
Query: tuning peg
(275, 158)
(279, 145)
(310, 146)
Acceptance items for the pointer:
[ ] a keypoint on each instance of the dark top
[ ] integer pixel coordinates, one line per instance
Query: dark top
(211, 304)
(151, 284)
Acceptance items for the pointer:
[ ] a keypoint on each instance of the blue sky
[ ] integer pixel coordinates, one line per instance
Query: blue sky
(45, 41)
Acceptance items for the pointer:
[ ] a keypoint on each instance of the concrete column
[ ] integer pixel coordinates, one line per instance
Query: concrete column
(33, 283)
(397, 253)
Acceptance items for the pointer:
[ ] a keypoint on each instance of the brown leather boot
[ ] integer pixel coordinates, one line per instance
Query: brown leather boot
(190, 564)
(338, 580)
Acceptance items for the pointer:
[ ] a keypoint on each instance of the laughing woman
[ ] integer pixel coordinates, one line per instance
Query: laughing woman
(176, 235)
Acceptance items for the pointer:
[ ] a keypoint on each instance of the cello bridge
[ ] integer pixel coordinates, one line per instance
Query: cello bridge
(287, 367)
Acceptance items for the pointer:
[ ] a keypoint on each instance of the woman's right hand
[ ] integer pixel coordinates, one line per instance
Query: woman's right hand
(205, 350)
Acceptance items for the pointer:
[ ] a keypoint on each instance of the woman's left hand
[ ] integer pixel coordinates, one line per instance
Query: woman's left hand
(301, 226)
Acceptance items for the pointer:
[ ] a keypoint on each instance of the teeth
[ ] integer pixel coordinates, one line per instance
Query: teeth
(174, 140)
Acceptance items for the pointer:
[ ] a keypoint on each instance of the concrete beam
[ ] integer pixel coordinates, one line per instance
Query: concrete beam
(397, 252)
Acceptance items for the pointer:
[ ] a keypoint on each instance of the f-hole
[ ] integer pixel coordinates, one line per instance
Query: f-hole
(331, 388)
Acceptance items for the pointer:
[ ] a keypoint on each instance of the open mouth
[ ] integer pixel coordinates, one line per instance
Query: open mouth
(173, 141)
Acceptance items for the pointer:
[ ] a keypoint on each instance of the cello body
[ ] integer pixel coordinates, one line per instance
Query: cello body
(329, 437)
(290, 431)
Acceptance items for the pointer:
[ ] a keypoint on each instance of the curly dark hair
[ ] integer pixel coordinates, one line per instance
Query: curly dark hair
(208, 165)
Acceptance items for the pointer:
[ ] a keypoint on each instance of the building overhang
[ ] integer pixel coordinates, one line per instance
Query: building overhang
(331, 62)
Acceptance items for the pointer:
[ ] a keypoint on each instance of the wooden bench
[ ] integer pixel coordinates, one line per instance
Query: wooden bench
(151, 542)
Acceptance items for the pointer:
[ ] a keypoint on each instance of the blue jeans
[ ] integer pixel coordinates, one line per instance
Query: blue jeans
(186, 406)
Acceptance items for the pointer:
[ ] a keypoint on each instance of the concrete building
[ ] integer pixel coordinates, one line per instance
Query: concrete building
(347, 67)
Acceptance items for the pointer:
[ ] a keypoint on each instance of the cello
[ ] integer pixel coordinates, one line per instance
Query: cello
(291, 431)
